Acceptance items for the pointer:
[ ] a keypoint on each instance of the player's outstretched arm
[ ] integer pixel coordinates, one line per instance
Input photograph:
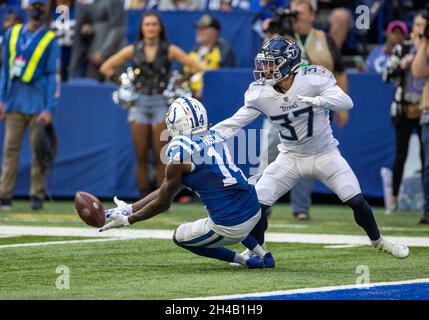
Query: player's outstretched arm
(171, 185)
(160, 200)
(136, 206)
(229, 127)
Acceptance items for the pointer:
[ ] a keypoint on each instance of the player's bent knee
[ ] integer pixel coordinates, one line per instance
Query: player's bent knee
(175, 239)
(265, 196)
(356, 201)
(178, 236)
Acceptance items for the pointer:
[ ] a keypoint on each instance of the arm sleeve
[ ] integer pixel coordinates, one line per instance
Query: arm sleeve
(179, 151)
(240, 119)
(4, 75)
(334, 98)
(52, 73)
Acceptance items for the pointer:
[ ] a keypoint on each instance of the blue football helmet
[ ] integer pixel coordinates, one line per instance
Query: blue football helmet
(276, 60)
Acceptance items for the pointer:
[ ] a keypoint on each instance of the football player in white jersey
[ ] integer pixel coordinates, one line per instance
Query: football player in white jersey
(297, 100)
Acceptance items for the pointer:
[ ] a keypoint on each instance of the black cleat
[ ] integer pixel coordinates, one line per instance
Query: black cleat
(5, 204)
(301, 215)
(36, 203)
(424, 220)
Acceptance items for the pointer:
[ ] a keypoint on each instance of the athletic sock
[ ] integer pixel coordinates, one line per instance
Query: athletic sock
(258, 232)
(220, 253)
(259, 251)
(251, 244)
(240, 259)
(376, 242)
(364, 216)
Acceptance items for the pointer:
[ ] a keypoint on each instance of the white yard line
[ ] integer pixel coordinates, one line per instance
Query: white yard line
(310, 238)
(84, 232)
(310, 290)
(340, 239)
(47, 243)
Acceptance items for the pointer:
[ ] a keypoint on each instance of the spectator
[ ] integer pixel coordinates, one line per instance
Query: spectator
(28, 96)
(316, 48)
(63, 24)
(11, 18)
(335, 15)
(9, 15)
(211, 51)
(188, 5)
(397, 32)
(152, 54)
(340, 23)
(100, 26)
(264, 10)
(420, 70)
(405, 110)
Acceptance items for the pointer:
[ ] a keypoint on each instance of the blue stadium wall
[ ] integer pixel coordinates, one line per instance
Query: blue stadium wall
(96, 152)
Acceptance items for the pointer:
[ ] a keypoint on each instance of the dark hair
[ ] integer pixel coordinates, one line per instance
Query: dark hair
(162, 35)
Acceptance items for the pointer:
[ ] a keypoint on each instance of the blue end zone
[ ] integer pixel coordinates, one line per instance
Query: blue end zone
(415, 291)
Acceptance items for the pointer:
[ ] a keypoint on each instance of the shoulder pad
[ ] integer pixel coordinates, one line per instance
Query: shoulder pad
(317, 75)
(256, 92)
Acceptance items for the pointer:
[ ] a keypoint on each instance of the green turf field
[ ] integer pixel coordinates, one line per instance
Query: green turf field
(157, 269)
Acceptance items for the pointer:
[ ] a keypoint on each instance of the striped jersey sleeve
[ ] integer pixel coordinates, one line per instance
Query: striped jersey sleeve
(180, 149)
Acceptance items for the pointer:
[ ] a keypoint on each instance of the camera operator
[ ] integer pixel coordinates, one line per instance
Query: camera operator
(317, 48)
(420, 70)
(405, 111)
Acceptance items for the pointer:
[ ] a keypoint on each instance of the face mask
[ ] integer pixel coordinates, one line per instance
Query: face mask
(37, 14)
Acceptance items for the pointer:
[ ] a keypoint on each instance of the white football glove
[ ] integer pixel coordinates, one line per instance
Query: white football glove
(118, 221)
(122, 208)
(311, 101)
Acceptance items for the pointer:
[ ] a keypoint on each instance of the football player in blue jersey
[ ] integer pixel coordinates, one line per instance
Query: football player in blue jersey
(199, 159)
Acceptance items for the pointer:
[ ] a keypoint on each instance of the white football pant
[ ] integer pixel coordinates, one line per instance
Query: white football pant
(330, 168)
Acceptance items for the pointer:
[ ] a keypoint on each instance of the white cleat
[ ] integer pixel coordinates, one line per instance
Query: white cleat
(247, 253)
(397, 250)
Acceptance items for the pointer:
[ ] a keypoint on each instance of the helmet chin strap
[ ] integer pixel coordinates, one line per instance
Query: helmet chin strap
(293, 71)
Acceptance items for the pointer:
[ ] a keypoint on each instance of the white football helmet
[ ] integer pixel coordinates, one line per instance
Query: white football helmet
(186, 116)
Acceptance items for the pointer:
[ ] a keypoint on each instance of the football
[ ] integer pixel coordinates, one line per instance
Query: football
(89, 209)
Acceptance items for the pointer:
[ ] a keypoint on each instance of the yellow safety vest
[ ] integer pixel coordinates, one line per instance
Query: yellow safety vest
(209, 61)
(35, 57)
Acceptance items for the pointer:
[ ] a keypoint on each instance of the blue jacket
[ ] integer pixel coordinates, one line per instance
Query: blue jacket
(41, 94)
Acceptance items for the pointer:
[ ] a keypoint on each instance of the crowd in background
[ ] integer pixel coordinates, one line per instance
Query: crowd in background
(90, 31)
